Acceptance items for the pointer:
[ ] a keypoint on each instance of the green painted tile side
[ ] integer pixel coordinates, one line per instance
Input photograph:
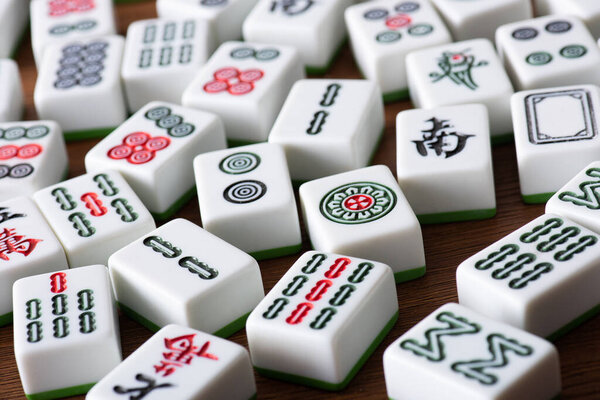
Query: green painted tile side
(278, 252)
(409, 275)
(320, 70)
(456, 216)
(553, 398)
(574, 324)
(536, 198)
(328, 385)
(503, 138)
(138, 318)
(6, 319)
(88, 134)
(173, 208)
(60, 393)
(398, 95)
(233, 327)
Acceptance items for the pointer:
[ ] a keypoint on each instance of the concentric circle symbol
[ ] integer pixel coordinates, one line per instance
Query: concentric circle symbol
(420, 30)
(181, 130)
(120, 152)
(215, 86)
(251, 75)
(244, 192)
(239, 163)
(224, 74)
(14, 133)
(241, 88)
(357, 203)
(558, 27)
(388, 37)
(376, 13)
(524, 33)
(539, 58)
(266, 54)
(407, 6)
(158, 143)
(242, 52)
(573, 51)
(169, 121)
(8, 152)
(37, 131)
(157, 113)
(21, 171)
(398, 21)
(29, 151)
(136, 139)
(4, 171)
(141, 157)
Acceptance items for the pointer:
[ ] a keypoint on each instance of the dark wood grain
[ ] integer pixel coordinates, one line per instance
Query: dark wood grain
(445, 245)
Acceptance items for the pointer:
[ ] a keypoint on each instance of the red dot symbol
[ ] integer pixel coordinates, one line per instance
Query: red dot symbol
(359, 202)
(241, 88)
(251, 75)
(29, 151)
(136, 139)
(120, 152)
(234, 81)
(8, 152)
(158, 143)
(227, 73)
(398, 21)
(141, 157)
(139, 148)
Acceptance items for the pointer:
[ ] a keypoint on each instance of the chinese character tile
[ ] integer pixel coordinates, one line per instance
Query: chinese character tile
(14, 16)
(586, 10)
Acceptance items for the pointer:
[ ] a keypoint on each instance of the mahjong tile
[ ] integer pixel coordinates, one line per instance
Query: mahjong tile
(246, 85)
(586, 10)
(542, 278)
(79, 86)
(462, 73)
(32, 156)
(455, 353)
(315, 28)
(59, 20)
(556, 135)
(322, 320)
(14, 15)
(66, 331)
(225, 17)
(549, 51)
(325, 117)
(154, 150)
(383, 32)
(180, 363)
(444, 163)
(27, 247)
(182, 274)
(246, 198)
(162, 57)
(94, 215)
(11, 96)
(579, 199)
(363, 213)
(480, 18)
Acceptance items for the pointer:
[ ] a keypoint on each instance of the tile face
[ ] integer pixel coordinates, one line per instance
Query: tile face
(457, 353)
(225, 17)
(181, 363)
(162, 57)
(444, 163)
(322, 320)
(586, 10)
(14, 15)
(322, 117)
(32, 156)
(11, 96)
(94, 215)
(246, 198)
(27, 247)
(556, 135)
(66, 331)
(245, 84)
(79, 86)
(55, 21)
(481, 18)
(540, 278)
(315, 29)
(549, 51)
(194, 272)
(383, 32)
(363, 213)
(154, 150)
(462, 73)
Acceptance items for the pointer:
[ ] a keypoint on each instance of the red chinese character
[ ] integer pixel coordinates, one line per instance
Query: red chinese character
(233, 80)
(10, 242)
(139, 147)
(183, 353)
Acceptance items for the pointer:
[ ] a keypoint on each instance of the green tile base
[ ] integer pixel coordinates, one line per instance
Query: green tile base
(398, 95)
(173, 208)
(302, 380)
(60, 393)
(253, 397)
(553, 398)
(274, 253)
(456, 216)
(224, 332)
(409, 275)
(6, 319)
(503, 138)
(320, 70)
(240, 142)
(536, 198)
(574, 324)
(88, 134)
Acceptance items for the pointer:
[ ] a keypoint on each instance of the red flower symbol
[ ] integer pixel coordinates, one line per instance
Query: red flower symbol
(139, 147)
(233, 80)
(398, 21)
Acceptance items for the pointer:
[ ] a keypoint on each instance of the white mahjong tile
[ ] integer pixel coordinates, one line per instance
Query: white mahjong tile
(182, 274)
(363, 213)
(225, 17)
(325, 117)
(548, 51)
(162, 57)
(14, 16)
(11, 95)
(455, 353)
(94, 215)
(444, 163)
(383, 32)
(315, 28)
(322, 320)
(59, 20)
(245, 84)
(154, 150)
(32, 156)
(246, 198)
(66, 331)
(556, 135)
(79, 86)
(462, 73)
(586, 10)
(27, 247)
(542, 278)
(184, 364)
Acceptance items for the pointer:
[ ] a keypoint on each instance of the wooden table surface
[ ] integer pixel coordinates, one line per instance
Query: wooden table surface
(446, 246)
